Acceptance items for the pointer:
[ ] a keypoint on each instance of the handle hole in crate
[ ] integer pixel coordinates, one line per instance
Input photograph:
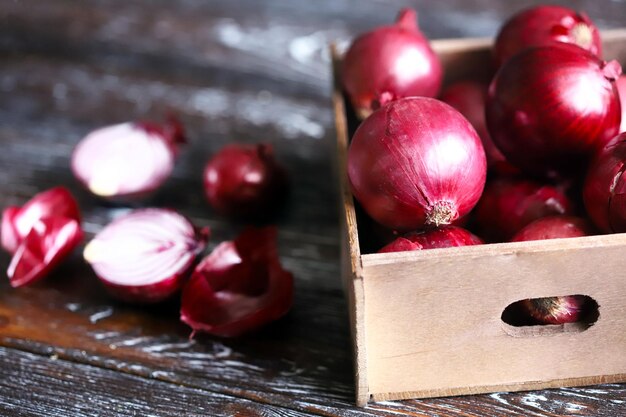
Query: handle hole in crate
(550, 315)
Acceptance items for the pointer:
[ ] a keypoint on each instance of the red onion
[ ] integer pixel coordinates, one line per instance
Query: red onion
(550, 108)
(445, 237)
(244, 180)
(554, 227)
(555, 310)
(239, 287)
(468, 97)
(129, 160)
(388, 63)
(546, 25)
(145, 255)
(49, 241)
(604, 191)
(416, 162)
(18, 221)
(621, 90)
(509, 204)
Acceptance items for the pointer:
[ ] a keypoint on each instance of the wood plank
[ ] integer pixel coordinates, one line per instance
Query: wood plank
(34, 385)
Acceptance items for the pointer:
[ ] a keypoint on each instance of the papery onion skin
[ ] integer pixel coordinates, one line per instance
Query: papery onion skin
(128, 161)
(49, 241)
(444, 237)
(550, 108)
(621, 89)
(18, 221)
(555, 310)
(239, 287)
(145, 255)
(604, 190)
(468, 97)
(554, 227)
(388, 63)
(416, 162)
(546, 25)
(509, 204)
(245, 181)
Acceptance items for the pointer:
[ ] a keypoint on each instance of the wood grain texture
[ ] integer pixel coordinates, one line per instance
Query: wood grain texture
(235, 71)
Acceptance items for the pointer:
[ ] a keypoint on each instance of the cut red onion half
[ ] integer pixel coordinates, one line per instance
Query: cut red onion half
(128, 160)
(145, 255)
(17, 222)
(49, 241)
(239, 287)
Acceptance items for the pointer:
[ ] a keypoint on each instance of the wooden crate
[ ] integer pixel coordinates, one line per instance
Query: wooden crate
(428, 324)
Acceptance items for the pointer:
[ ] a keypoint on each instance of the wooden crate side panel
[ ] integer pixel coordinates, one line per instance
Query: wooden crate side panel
(350, 251)
(434, 326)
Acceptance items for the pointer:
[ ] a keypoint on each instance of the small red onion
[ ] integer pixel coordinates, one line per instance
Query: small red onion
(239, 287)
(129, 160)
(621, 90)
(550, 108)
(245, 180)
(444, 237)
(543, 26)
(388, 63)
(49, 241)
(416, 162)
(604, 191)
(555, 310)
(145, 255)
(468, 97)
(554, 227)
(509, 204)
(18, 221)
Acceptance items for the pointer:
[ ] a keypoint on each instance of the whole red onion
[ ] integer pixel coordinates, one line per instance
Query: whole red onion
(49, 241)
(621, 90)
(468, 97)
(388, 63)
(509, 204)
(416, 162)
(129, 160)
(604, 191)
(244, 180)
(546, 25)
(145, 255)
(444, 237)
(554, 227)
(555, 310)
(239, 287)
(550, 108)
(17, 222)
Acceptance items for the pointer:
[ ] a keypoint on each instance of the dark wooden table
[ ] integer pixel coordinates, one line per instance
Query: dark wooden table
(235, 70)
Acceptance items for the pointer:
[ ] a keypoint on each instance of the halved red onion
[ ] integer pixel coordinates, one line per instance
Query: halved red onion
(49, 241)
(245, 180)
(128, 160)
(239, 287)
(17, 222)
(554, 227)
(145, 255)
(555, 310)
(546, 25)
(444, 237)
(389, 63)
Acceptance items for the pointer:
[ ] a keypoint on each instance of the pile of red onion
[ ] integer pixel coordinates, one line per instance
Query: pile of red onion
(549, 117)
